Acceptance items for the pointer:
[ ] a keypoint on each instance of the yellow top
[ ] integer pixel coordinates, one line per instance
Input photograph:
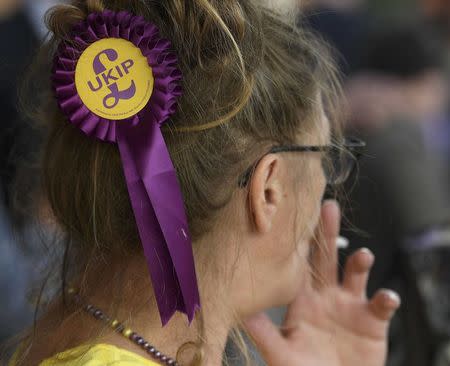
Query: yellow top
(95, 355)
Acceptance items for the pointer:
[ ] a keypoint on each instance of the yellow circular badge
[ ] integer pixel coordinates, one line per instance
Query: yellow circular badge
(114, 79)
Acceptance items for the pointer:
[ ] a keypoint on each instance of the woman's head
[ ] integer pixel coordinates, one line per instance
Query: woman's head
(251, 81)
(276, 217)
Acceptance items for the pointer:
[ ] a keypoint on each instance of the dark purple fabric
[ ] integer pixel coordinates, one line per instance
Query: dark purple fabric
(150, 176)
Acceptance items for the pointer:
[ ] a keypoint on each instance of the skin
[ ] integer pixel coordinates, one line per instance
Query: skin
(262, 248)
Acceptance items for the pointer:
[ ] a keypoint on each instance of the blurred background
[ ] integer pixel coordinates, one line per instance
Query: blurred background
(395, 59)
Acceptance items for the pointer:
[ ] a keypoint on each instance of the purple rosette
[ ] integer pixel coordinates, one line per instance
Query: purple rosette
(150, 176)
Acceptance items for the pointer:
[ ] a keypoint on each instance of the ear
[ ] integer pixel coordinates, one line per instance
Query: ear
(266, 192)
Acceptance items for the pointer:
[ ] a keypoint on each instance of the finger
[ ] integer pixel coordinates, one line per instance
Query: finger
(324, 262)
(356, 273)
(267, 337)
(384, 304)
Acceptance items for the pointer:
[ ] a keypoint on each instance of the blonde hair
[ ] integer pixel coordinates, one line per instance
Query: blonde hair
(250, 80)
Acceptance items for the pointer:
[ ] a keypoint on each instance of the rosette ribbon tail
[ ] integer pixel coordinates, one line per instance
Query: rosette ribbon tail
(160, 215)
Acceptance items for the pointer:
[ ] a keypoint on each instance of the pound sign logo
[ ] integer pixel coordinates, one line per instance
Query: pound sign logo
(109, 78)
(114, 79)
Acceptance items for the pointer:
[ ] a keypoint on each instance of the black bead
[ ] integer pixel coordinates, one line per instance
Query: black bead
(133, 336)
(137, 339)
(151, 349)
(120, 328)
(140, 341)
(158, 354)
(170, 362)
(98, 314)
(147, 346)
(163, 358)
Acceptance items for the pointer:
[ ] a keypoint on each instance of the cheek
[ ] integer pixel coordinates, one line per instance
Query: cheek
(302, 212)
(306, 208)
(291, 248)
(309, 201)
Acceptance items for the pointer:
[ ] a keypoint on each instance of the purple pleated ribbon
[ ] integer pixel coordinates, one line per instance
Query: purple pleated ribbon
(150, 176)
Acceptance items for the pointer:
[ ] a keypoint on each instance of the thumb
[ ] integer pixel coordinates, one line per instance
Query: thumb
(267, 338)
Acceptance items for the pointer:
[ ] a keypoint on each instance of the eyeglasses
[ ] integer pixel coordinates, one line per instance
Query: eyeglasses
(338, 161)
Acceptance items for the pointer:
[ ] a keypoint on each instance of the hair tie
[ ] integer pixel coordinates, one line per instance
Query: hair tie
(118, 81)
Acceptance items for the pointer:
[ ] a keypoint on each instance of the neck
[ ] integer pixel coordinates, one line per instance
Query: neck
(126, 294)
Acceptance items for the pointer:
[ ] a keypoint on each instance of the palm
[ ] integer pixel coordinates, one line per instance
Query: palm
(330, 324)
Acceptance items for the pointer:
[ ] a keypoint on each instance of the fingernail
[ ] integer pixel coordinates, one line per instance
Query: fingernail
(392, 296)
(332, 205)
(330, 202)
(369, 253)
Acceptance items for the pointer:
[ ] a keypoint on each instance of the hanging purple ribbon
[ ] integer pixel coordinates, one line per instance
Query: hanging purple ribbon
(151, 179)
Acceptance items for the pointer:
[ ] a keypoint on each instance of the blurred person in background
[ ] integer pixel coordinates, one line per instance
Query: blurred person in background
(18, 39)
(401, 199)
(437, 13)
(16, 312)
(21, 28)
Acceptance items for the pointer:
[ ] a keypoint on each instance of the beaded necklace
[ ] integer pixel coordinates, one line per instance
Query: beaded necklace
(122, 330)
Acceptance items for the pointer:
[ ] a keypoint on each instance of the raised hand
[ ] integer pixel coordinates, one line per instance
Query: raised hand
(330, 324)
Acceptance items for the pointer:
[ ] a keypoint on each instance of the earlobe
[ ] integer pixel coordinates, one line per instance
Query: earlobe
(265, 193)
